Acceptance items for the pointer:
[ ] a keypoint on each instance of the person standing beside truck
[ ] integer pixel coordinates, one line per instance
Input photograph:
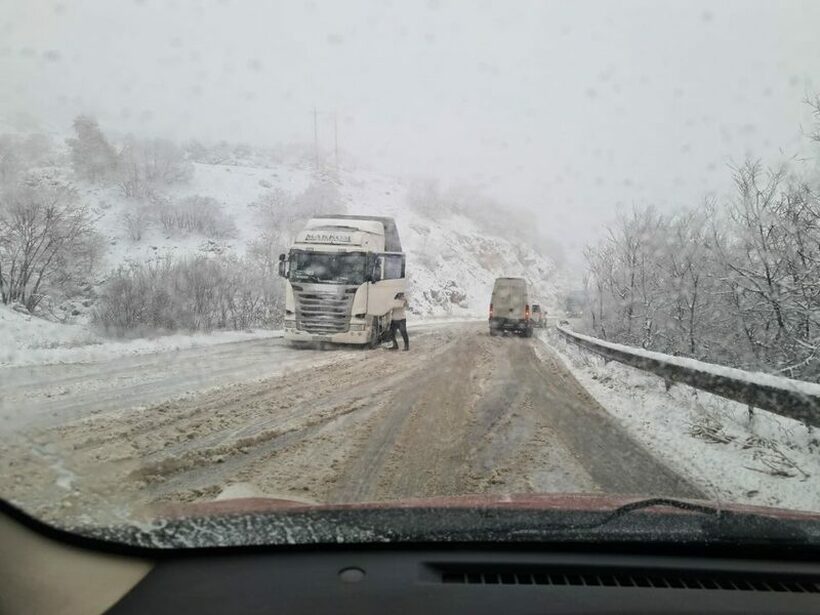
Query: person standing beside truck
(399, 322)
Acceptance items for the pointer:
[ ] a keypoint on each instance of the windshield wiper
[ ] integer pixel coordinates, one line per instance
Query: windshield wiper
(607, 517)
(713, 523)
(627, 509)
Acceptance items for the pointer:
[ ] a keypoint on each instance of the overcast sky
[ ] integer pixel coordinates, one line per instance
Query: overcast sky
(567, 108)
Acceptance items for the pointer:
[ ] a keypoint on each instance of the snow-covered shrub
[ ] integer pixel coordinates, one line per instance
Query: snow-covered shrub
(144, 166)
(190, 294)
(135, 222)
(196, 214)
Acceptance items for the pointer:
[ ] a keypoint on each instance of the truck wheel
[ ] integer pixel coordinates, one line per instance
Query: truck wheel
(493, 332)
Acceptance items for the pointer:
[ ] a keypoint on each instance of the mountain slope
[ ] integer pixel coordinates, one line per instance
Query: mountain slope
(451, 261)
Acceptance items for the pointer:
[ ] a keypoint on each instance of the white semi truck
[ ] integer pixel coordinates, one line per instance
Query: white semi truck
(344, 275)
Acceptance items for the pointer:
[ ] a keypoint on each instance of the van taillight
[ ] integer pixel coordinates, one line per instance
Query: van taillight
(491, 310)
(526, 312)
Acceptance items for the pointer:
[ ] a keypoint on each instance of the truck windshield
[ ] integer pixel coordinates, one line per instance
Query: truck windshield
(328, 267)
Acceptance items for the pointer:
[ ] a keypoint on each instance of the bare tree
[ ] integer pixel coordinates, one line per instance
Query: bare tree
(814, 105)
(736, 286)
(47, 241)
(599, 276)
(135, 222)
(92, 156)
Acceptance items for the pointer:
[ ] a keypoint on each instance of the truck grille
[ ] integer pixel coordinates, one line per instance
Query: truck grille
(323, 312)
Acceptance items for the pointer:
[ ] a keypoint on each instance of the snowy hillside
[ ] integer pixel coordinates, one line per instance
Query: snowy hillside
(452, 259)
(451, 263)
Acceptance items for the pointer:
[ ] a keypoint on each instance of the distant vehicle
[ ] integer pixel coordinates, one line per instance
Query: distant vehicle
(539, 317)
(574, 303)
(345, 274)
(510, 307)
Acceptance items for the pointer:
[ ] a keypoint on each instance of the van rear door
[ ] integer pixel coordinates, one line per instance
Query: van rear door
(509, 299)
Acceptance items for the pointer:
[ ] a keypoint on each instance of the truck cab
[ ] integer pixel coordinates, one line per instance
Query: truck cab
(344, 275)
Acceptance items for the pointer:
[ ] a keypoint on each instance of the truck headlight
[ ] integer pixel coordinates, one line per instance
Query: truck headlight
(357, 327)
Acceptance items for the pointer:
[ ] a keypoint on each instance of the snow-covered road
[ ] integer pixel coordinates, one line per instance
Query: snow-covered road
(461, 413)
(42, 395)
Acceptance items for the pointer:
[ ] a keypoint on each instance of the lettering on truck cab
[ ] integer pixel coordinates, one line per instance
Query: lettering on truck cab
(326, 237)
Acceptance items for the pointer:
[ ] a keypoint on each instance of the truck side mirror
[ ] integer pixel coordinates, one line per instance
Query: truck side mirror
(375, 270)
(283, 270)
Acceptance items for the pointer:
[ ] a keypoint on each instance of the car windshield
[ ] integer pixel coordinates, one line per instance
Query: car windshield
(335, 268)
(306, 259)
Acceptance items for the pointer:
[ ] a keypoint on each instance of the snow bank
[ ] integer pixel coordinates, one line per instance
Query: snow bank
(23, 332)
(28, 340)
(755, 378)
(767, 460)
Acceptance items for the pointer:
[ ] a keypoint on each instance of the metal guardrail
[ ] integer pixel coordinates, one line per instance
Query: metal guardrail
(794, 399)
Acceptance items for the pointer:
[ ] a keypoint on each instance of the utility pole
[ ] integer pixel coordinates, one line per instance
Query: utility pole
(315, 139)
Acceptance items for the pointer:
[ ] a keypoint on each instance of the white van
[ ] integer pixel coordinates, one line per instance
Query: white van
(510, 307)
(538, 316)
